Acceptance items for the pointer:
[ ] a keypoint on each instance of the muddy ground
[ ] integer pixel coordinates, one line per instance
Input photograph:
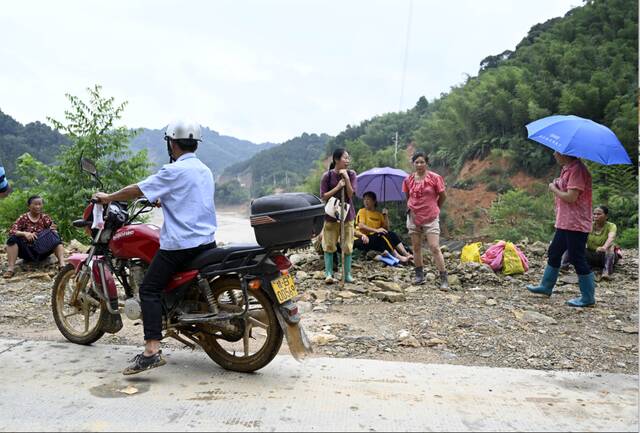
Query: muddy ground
(485, 319)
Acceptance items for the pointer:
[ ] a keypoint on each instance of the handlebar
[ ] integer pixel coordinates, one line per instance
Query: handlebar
(141, 201)
(145, 203)
(138, 206)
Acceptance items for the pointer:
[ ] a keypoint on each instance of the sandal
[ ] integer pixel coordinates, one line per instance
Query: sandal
(8, 274)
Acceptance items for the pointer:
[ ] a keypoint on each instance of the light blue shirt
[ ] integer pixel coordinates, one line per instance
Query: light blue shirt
(185, 189)
(4, 184)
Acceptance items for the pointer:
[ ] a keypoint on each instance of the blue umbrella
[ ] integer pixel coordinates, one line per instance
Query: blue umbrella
(385, 182)
(583, 138)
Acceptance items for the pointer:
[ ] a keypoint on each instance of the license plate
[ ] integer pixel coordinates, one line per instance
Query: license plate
(285, 288)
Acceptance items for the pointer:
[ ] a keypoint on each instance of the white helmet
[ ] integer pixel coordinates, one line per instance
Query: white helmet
(182, 129)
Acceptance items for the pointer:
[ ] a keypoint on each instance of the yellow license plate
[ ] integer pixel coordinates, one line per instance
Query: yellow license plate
(285, 288)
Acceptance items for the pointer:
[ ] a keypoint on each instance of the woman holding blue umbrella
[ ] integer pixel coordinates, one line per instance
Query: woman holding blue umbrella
(572, 191)
(573, 137)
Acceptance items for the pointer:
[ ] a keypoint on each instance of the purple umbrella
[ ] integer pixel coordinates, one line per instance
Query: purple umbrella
(385, 182)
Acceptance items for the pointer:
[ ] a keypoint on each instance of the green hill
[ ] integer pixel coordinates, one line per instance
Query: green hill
(216, 151)
(280, 168)
(35, 138)
(585, 63)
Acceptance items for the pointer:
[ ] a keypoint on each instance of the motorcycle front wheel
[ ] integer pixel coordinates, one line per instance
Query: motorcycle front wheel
(261, 338)
(78, 316)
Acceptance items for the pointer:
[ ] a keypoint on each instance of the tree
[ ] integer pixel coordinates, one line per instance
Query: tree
(91, 130)
(231, 193)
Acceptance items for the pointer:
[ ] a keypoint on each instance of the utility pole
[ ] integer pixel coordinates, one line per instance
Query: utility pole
(395, 154)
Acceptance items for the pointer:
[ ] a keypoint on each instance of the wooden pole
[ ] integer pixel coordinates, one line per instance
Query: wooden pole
(342, 244)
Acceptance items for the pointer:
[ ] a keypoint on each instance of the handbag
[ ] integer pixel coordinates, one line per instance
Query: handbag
(333, 207)
(46, 242)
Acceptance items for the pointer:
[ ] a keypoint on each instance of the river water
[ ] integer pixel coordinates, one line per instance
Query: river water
(233, 226)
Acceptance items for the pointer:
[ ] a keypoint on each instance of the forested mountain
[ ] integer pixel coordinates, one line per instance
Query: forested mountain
(216, 151)
(43, 143)
(585, 63)
(35, 138)
(282, 167)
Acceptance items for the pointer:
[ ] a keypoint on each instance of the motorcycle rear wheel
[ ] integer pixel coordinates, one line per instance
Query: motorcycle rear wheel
(262, 337)
(80, 322)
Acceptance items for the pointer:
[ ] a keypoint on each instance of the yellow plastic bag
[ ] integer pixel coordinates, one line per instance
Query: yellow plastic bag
(511, 263)
(471, 253)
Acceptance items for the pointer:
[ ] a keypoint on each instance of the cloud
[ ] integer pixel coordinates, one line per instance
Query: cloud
(264, 71)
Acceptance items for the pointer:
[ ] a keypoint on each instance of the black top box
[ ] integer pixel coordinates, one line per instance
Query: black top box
(286, 220)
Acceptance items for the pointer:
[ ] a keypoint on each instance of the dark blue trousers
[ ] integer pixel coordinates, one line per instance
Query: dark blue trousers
(575, 243)
(163, 266)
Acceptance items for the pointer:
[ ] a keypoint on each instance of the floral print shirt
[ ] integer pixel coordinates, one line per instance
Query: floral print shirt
(24, 224)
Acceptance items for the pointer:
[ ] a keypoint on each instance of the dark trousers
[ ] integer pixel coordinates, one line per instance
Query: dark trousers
(379, 242)
(596, 259)
(163, 266)
(575, 244)
(27, 251)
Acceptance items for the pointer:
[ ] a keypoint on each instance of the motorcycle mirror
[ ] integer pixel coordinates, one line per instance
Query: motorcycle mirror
(88, 166)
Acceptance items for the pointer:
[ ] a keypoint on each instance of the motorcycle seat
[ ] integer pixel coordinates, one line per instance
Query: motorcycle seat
(217, 255)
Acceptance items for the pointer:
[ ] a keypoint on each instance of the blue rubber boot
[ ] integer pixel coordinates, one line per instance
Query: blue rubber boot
(347, 269)
(587, 285)
(549, 279)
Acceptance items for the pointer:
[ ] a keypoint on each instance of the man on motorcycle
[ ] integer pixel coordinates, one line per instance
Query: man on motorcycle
(185, 188)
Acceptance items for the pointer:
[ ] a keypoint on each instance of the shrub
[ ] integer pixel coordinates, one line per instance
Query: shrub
(11, 208)
(516, 215)
(466, 184)
(499, 186)
(628, 238)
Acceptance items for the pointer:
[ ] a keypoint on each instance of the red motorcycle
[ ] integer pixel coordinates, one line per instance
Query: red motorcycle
(235, 302)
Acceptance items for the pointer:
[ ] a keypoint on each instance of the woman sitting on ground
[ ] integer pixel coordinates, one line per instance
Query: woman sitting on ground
(372, 231)
(601, 249)
(33, 237)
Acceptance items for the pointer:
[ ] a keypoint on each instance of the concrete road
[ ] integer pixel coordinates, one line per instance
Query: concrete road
(60, 386)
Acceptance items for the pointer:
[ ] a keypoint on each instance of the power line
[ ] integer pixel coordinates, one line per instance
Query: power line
(404, 75)
(406, 55)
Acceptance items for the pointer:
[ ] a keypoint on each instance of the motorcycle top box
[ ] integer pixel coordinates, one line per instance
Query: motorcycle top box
(286, 220)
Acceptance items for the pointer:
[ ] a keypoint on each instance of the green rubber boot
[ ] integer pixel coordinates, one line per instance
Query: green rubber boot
(348, 278)
(328, 268)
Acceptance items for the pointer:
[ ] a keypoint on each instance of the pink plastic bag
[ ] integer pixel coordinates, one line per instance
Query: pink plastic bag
(493, 256)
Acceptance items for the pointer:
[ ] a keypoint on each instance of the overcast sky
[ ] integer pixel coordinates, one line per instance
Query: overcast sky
(264, 70)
